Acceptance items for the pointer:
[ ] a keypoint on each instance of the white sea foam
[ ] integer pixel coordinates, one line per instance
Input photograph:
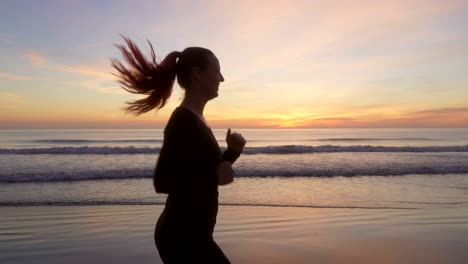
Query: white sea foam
(246, 171)
(285, 149)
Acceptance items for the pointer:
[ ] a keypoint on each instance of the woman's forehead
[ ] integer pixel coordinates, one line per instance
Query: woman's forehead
(214, 61)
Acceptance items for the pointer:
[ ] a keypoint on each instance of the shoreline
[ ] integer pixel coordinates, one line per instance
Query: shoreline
(247, 234)
(77, 204)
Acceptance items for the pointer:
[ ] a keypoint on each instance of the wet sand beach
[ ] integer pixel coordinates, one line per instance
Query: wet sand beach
(247, 234)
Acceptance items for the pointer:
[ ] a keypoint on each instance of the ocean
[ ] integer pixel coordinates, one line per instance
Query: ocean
(323, 168)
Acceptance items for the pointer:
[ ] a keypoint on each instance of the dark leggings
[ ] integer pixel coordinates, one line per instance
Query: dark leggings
(177, 249)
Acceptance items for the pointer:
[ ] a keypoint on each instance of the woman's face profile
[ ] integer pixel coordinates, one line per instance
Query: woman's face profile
(211, 77)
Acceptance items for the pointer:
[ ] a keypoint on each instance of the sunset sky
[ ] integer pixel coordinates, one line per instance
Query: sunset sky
(315, 64)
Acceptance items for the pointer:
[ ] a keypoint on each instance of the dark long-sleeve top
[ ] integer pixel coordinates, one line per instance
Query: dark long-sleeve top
(186, 171)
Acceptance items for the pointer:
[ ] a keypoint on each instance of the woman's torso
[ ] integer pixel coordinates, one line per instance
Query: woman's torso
(186, 170)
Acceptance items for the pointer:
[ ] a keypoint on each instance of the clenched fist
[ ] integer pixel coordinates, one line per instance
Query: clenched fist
(235, 141)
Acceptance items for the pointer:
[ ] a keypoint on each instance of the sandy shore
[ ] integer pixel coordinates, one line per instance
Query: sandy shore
(247, 234)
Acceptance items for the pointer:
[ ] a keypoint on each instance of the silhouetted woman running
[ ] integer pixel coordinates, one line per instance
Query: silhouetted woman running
(190, 165)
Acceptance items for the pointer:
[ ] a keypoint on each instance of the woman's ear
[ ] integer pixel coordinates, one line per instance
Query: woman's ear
(196, 73)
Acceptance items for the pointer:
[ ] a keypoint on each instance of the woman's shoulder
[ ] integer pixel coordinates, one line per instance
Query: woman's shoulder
(181, 119)
(182, 113)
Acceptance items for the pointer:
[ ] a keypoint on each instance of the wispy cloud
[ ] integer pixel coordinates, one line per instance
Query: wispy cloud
(90, 45)
(96, 72)
(15, 77)
(444, 111)
(361, 118)
(319, 37)
(38, 59)
(35, 58)
(10, 100)
(97, 86)
(91, 76)
(444, 117)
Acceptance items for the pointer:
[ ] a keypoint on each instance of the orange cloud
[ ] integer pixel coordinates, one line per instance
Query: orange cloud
(98, 73)
(39, 60)
(95, 86)
(443, 112)
(95, 74)
(35, 58)
(431, 118)
(9, 100)
(449, 117)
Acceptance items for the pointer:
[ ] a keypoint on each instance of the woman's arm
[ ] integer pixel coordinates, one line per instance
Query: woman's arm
(224, 170)
(225, 173)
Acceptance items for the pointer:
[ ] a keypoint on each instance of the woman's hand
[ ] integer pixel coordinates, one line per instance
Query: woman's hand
(225, 173)
(235, 141)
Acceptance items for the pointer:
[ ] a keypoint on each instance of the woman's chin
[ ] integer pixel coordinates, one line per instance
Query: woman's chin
(213, 96)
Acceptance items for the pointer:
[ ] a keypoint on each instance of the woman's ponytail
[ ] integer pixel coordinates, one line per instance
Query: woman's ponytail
(146, 77)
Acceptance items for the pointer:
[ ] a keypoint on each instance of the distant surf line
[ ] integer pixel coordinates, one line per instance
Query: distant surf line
(283, 149)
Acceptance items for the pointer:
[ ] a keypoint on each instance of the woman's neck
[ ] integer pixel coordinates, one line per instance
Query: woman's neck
(194, 103)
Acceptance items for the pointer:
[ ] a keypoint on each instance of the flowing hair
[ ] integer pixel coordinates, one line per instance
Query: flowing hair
(146, 77)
